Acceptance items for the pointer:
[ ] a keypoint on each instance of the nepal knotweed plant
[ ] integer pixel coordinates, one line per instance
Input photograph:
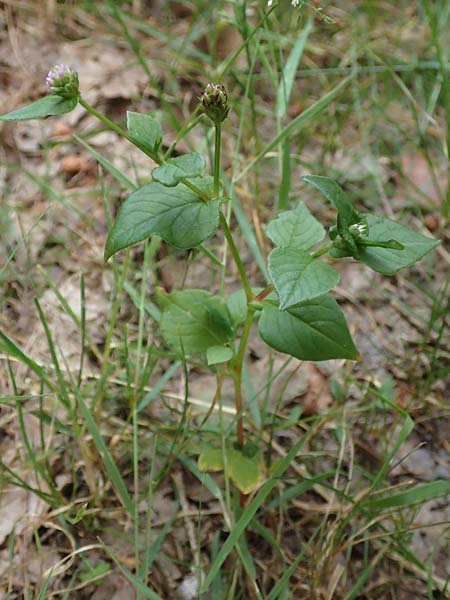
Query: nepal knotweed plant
(296, 313)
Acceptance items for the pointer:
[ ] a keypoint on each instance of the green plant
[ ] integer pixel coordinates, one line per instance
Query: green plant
(183, 206)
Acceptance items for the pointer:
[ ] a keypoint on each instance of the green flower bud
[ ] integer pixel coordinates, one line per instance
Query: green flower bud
(360, 229)
(215, 102)
(63, 81)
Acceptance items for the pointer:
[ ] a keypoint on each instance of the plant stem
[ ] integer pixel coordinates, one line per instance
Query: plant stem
(235, 254)
(222, 219)
(265, 292)
(322, 251)
(114, 127)
(237, 365)
(216, 170)
(238, 361)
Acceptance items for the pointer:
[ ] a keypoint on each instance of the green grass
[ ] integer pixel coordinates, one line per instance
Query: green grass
(109, 443)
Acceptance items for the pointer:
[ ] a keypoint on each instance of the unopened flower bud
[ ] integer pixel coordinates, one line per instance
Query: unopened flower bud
(215, 102)
(63, 81)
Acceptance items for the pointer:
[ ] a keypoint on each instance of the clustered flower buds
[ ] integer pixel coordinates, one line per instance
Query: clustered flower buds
(294, 3)
(63, 81)
(215, 102)
(360, 229)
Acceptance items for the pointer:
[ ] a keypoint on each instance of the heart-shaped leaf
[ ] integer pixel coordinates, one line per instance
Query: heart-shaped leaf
(193, 321)
(296, 229)
(44, 107)
(314, 330)
(298, 276)
(177, 215)
(175, 169)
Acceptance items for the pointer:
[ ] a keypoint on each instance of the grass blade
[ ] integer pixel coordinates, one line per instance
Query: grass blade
(140, 587)
(159, 385)
(10, 348)
(416, 494)
(290, 70)
(102, 449)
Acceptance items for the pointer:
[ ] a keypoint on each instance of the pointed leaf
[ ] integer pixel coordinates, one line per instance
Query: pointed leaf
(390, 261)
(218, 354)
(298, 276)
(194, 320)
(177, 215)
(187, 165)
(44, 107)
(296, 229)
(315, 330)
(335, 194)
(145, 129)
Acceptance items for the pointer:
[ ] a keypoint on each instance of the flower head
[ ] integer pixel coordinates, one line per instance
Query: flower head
(63, 81)
(360, 229)
(215, 102)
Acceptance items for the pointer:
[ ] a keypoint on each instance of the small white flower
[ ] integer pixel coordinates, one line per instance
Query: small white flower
(294, 3)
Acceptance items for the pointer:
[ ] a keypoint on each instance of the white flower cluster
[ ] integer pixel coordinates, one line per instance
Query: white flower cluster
(293, 3)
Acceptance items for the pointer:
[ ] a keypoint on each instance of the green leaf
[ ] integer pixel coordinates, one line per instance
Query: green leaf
(347, 216)
(336, 195)
(390, 261)
(177, 215)
(237, 305)
(315, 330)
(218, 354)
(296, 229)
(145, 129)
(211, 460)
(298, 276)
(175, 169)
(44, 107)
(244, 471)
(194, 320)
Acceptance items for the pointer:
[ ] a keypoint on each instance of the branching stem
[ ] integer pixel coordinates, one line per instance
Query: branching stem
(153, 155)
